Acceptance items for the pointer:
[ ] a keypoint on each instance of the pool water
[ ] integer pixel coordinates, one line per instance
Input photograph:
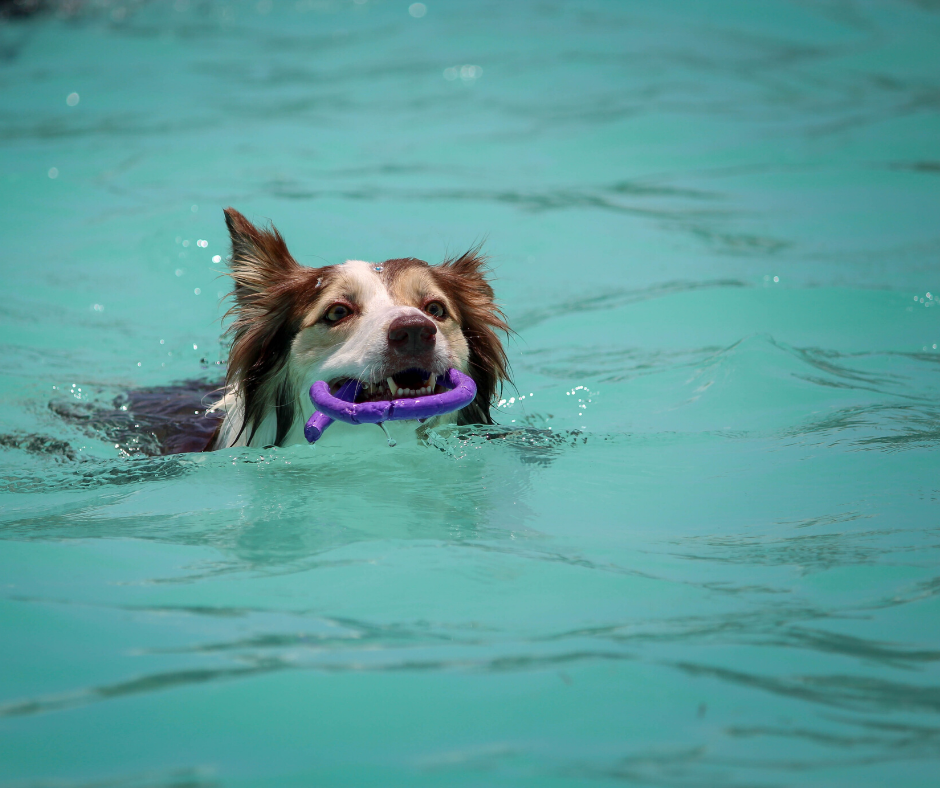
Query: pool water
(708, 552)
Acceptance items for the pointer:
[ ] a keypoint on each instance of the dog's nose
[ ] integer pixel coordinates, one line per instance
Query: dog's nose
(412, 334)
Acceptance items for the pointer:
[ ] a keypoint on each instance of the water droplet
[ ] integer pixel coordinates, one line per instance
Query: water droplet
(319, 281)
(468, 73)
(391, 440)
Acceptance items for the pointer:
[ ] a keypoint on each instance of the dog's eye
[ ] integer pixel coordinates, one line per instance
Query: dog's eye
(336, 313)
(435, 309)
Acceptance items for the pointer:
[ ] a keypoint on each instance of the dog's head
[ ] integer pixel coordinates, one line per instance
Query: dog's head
(396, 326)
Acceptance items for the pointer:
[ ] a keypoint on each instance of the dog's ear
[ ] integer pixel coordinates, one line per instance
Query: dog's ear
(464, 279)
(270, 291)
(260, 259)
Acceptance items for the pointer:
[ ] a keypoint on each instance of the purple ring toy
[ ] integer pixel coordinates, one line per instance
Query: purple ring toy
(342, 406)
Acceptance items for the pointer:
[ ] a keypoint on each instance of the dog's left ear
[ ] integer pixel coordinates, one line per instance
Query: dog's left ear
(464, 279)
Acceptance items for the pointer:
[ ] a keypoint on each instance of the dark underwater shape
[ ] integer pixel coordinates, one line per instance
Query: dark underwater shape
(153, 421)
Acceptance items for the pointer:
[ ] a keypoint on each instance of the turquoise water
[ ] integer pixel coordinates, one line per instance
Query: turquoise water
(714, 228)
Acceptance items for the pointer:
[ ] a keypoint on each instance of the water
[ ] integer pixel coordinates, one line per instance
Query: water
(706, 552)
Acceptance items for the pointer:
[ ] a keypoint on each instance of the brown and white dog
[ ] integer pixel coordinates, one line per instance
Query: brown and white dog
(396, 326)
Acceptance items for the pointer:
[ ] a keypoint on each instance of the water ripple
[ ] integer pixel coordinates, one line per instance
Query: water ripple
(861, 693)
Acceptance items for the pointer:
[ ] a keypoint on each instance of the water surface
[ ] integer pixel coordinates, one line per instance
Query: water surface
(707, 553)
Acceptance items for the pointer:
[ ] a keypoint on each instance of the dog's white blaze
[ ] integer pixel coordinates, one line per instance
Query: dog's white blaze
(363, 355)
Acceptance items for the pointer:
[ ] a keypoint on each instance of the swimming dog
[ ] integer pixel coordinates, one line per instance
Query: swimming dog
(396, 326)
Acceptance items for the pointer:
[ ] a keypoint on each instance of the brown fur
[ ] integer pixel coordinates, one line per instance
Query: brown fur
(464, 281)
(273, 294)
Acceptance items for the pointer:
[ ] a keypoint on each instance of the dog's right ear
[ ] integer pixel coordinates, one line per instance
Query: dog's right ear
(268, 283)
(260, 259)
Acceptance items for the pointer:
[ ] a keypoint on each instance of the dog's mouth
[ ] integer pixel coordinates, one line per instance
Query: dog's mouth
(409, 383)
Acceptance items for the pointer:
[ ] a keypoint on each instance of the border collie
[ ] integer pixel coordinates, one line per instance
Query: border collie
(396, 326)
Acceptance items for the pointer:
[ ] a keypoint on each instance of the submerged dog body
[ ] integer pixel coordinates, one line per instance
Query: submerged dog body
(396, 326)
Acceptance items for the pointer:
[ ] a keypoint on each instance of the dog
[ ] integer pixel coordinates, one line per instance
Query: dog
(395, 326)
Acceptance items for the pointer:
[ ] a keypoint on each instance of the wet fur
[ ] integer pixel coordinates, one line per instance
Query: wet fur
(276, 300)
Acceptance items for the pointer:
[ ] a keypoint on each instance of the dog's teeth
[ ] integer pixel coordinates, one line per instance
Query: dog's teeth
(392, 388)
(432, 382)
